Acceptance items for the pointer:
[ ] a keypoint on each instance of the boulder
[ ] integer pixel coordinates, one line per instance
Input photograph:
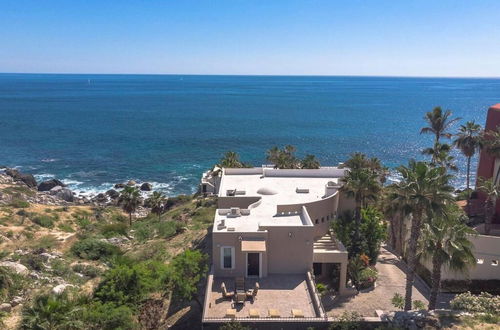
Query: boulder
(65, 194)
(113, 194)
(16, 267)
(16, 301)
(101, 197)
(49, 184)
(131, 183)
(28, 179)
(58, 289)
(146, 186)
(5, 307)
(120, 185)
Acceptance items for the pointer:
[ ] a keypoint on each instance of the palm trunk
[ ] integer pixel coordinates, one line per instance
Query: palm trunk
(357, 217)
(130, 219)
(436, 282)
(488, 215)
(394, 229)
(401, 231)
(468, 186)
(412, 256)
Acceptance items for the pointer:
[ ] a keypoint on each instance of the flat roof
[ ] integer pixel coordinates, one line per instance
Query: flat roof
(274, 187)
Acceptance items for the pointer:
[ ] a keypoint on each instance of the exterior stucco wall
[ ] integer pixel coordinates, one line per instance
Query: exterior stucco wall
(231, 239)
(487, 249)
(290, 253)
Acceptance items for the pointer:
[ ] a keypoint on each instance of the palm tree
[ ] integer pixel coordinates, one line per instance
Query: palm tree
(361, 185)
(359, 160)
(491, 142)
(283, 159)
(129, 200)
(440, 154)
(468, 141)
(231, 160)
(424, 189)
(310, 162)
(439, 123)
(157, 203)
(445, 242)
(492, 191)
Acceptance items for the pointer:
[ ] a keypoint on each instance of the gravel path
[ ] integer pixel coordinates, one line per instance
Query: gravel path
(391, 279)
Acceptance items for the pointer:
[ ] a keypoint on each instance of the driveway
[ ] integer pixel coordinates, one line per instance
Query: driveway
(391, 280)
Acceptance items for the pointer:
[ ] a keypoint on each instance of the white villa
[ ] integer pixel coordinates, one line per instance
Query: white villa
(272, 228)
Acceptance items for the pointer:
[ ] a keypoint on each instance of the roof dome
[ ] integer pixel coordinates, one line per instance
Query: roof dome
(266, 191)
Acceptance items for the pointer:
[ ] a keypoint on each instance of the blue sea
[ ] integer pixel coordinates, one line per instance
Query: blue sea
(93, 131)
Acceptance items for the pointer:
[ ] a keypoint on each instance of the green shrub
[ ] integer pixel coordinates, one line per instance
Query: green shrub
(127, 283)
(233, 326)
(168, 228)
(44, 221)
(87, 270)
(367, 277)
(99, 315)
(482, 303)
(33, 261)
(321, 288)
(11, 283)
(45, 242)
(419, 305)
(61, 268)
(93, 249)
(66, 227)
(398, 301)
(19, 203)
(114, 229)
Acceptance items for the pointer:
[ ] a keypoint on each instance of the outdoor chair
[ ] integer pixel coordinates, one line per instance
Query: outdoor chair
(254, 313)
(273, 312)
(252, 294)
(240, 298)
(225, 293)
(297, 313)
(239, 284)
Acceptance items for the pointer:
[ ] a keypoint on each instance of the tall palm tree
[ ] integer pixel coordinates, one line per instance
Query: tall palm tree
(359, 160)
(361, 185)
(157, 203)
(130, 199)
(445, 242)
(283, 158)
(492, 191)
(423, 189)
(310, 162)
(394, 206)
(469, 141)
(439, 123)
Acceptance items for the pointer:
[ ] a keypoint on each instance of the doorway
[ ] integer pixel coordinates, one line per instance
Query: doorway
(253, 264)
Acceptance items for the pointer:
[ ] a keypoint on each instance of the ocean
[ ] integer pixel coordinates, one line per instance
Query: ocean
(93, 131)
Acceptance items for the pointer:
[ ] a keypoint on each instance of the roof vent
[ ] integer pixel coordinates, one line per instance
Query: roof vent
(234, 212)
(302, 190)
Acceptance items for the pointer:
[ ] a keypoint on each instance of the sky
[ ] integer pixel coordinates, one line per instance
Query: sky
(445, 38)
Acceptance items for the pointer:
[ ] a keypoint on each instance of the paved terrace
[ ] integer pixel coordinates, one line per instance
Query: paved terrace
(281, 292)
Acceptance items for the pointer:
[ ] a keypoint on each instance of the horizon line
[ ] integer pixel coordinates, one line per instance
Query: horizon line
(249, 75)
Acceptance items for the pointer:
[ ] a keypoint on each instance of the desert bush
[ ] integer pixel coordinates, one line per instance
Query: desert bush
(86, 270)
(45, 242)
(94, 249)
(482, 303)
(32, 261)
(398, 301)
(114, 229)
(19, 203)
(168, 228)
(108, 316)
(44, 220)
(66, 227)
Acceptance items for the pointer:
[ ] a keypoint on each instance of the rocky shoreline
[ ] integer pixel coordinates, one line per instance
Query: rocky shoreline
(55, 192)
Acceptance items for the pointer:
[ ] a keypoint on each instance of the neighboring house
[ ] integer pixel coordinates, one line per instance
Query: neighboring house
(273, 226)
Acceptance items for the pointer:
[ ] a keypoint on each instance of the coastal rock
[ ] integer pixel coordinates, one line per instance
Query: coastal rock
(131, 183)
(120, 185)
(65, 194)
(113, 194)
(28, 179)
(49, 184)
(101, 198)
(146, 186)
(16, 267)
(5, 307)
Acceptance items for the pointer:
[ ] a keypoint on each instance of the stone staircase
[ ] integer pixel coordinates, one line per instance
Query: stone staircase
(325, 243)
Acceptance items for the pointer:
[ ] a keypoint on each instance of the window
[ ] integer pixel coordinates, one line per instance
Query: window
(480, 261)
(323, 219)
(317, 221)
(227, 257)
(327, 218)
(494, 262)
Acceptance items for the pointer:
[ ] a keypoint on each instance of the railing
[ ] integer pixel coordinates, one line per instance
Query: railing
(265, 319)
(318, 306)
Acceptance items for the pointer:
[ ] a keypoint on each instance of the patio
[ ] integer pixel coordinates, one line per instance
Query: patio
(280, 292)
